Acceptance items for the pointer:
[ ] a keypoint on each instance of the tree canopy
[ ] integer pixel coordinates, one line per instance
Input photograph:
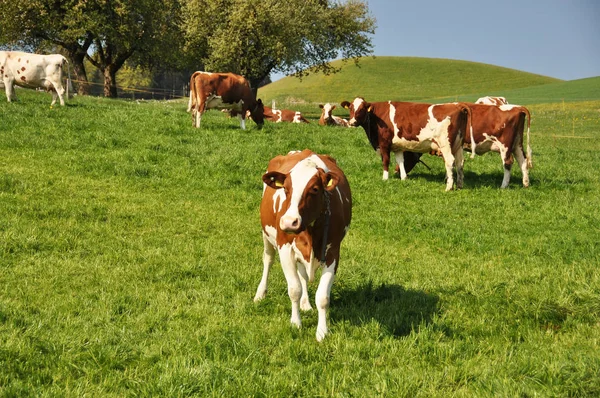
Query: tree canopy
(250, 37)
(257, 37)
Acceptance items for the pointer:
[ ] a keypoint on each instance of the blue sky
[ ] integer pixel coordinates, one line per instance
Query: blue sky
(556, 38)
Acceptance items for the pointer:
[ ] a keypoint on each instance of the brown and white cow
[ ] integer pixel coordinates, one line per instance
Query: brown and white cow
(223, 91)
(305, 213)
(327, 117)
(284, 115)
(500, 129)
(492, 101)
(33, 71)
(414, 127)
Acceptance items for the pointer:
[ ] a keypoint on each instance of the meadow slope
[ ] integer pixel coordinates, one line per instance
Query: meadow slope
(400, 78)
(130, 251)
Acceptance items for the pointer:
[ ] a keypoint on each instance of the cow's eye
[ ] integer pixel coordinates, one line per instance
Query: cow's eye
(315, 189)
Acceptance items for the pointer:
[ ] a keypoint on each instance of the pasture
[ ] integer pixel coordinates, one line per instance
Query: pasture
(130, 251)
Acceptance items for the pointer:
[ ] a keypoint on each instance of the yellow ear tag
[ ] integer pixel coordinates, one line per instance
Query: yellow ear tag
(369, 110)
(278, 184)
(330, 183)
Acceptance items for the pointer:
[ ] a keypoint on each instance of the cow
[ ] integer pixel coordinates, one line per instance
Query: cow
(327, 117)
(405, 127)
(305, 213)
(223, 91)
(34, 71)
(500, 129)
(284, 115)
(492, 101)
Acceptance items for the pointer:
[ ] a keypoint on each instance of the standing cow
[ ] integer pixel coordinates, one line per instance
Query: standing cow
(223, 91)
(501, 129)
(33, 71)
(305, 213)
(414, 127)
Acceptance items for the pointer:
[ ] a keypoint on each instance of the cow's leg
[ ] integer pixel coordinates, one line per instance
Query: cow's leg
(400, 164)
(449, 163)
(304, 301)
(57, 91)
(322, 298)
(288, 264)
(459, 161)
(197, 115)
(385, 159)
(242, 122)
(507, 162)
(268, 257)
(9, 88)
(521, 160)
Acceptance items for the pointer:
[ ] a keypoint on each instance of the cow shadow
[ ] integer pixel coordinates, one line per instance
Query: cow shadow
(396, 309)
(473, 179)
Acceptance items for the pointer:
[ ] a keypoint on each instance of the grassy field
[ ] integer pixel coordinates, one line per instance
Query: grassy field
(130, 251)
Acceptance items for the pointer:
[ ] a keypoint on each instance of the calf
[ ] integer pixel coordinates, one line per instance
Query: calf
(500, 129)
(414, 127)
(284, 115)
(223, 91)
(327, 117)
(305, 213)
(33, 71)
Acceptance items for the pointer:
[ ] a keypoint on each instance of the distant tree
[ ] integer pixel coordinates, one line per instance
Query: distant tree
(147, 31)
(257, 37)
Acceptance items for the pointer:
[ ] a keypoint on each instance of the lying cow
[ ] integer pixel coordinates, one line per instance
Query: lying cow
(500, 129)
(492, 101)
(414, 127)
(305, 213)
(33, 71)
(284, 115)
(327, 117)
(223, 91)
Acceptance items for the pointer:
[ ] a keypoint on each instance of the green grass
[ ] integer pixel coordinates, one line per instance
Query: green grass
(130, 251)
(402, 79)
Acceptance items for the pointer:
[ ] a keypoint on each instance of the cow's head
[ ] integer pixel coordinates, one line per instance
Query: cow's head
(326, 112)
(305, 187)
(359, 111)
(258, 113)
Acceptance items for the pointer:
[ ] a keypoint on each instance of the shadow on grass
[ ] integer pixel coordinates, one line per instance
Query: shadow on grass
(396, 309)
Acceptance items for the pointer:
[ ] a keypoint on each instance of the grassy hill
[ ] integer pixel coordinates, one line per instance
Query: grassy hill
(402, 78)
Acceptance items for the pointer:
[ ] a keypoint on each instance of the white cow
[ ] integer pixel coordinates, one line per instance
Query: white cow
(33, 71)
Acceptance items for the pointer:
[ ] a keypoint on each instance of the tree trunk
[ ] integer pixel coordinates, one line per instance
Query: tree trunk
(110, 81)
(83, 85)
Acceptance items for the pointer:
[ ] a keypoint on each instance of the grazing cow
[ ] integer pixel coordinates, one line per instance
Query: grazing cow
(492, 101)
(500, 129)
(414, 127)
(33, 71)
(223, 91)
(328, 119)
(305, 213)
(284, 115)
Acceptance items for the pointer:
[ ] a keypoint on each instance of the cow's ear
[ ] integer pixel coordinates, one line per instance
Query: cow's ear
(345, 104)
(274, 179)
(369, 107)
(259, 101)
(321, 106)
(330, 181)
(332, 107)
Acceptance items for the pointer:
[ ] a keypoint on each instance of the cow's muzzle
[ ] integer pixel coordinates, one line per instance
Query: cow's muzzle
(290, 224)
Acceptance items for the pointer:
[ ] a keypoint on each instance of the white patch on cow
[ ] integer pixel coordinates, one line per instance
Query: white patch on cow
(507, 107)
(393, 118)
(297, 118)
(327, 111)
(357, 102)
(322, 299)
(278, 199)
(278, 114)
(271, 234)
(433, 136)
(216, 102)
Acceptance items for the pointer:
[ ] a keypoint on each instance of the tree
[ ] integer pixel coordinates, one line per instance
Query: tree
(113, 30)
(257, 37)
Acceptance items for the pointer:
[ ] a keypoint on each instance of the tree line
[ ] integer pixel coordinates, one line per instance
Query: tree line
(253, 38)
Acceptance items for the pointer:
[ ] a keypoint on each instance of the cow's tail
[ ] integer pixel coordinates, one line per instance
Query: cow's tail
(528, 153)
(469, 126)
